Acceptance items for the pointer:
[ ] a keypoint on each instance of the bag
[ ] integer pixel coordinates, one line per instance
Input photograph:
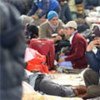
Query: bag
(44, 47)
(35, 61)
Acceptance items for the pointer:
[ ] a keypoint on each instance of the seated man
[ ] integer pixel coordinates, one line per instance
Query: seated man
(51, 28)
(92, 74)
(75, 57)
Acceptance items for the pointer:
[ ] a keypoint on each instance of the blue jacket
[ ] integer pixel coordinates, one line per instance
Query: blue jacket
(94, 60)
(45, 6)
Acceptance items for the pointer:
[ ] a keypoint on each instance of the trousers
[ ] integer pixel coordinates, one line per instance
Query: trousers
(45, 85)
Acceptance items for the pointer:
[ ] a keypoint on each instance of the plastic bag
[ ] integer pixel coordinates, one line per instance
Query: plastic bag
(35, 61)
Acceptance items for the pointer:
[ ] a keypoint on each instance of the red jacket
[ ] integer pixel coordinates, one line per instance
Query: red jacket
(77, 52)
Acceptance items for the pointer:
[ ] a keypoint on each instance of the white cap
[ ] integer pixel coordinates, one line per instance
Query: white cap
(72, 24)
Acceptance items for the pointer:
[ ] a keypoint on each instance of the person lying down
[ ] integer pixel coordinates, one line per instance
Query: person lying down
(42, 83)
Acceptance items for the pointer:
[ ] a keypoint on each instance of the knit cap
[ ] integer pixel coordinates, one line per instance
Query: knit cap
(51, 15)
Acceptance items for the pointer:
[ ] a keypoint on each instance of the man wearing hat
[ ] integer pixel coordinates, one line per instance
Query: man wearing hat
(92, 73)
(76, 55)
(51, 27)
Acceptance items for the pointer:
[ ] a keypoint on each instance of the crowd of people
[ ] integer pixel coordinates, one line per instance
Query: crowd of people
(76, 41)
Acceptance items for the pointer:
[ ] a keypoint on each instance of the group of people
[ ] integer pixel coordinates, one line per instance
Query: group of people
(12, 50)
(67, 9)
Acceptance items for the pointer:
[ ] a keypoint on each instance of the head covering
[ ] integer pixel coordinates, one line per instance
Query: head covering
(10, 24)
(51, 15)
(72, 24)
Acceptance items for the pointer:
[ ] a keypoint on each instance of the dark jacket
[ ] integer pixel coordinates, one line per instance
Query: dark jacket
(90, 4)
(94, 60)
(65, 14)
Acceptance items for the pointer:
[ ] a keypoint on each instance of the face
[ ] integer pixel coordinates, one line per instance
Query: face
(54, 21)
(68, 31)
(97, 41)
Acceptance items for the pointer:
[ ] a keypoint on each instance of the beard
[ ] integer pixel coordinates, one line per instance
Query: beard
(98, 46)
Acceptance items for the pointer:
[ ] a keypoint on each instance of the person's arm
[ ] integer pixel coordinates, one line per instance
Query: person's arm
(93, 58)
(43, 33)
(78, 53)
(45, 8)
(92, 61)
(33, 10)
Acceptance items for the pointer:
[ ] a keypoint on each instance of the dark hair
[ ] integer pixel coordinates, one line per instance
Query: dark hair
(96, 31)
(32, 31)
(72, 28)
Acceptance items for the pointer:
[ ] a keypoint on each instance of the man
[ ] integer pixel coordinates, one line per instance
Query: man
(42, 83)
(51, 28)
(65, 14)
(75, 58)
(43, 7)
(92, 73)
(12, 48)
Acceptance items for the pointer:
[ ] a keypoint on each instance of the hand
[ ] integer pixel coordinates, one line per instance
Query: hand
(93, 44)
(90, 46)
(61, 32)
(61, 54)
(61, 60)
(80, 90)
(35, 17)
(58, 37)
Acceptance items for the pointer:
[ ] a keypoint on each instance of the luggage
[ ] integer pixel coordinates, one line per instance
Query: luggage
(44, 47)
(35, 61)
